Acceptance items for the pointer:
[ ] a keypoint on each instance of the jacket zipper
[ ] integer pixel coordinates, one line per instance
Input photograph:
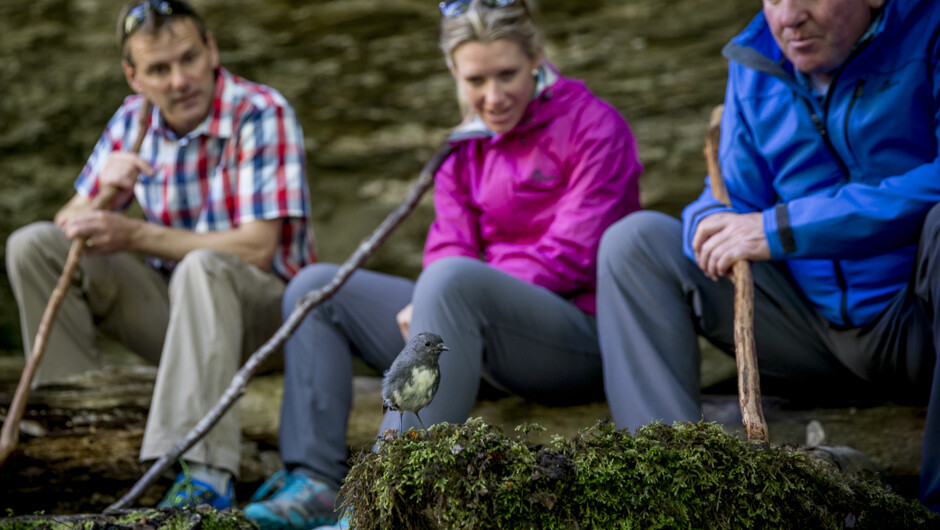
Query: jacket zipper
(836, 264)
(859, 90)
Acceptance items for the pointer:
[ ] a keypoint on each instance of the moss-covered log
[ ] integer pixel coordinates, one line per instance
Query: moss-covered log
(203, 518)
(686, 476)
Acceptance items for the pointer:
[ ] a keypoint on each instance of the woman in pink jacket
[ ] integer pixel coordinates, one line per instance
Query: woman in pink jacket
(540, 168)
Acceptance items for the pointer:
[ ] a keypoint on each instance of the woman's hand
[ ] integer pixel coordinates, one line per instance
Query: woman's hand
(404, 320)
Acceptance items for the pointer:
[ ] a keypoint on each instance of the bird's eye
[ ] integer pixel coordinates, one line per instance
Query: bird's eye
(427, 343)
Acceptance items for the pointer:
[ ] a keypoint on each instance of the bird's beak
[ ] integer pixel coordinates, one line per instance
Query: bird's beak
(445, 348)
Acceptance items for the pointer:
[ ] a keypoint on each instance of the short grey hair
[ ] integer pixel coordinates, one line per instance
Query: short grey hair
(516, 22)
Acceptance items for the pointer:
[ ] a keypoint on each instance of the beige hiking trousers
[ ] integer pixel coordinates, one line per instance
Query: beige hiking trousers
(198, 327)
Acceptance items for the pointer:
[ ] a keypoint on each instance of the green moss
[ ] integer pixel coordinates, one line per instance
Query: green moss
(692, 475)
(168, 519)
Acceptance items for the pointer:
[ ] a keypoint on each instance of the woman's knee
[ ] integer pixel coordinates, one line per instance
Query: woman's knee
(309, 279)
(452, 276)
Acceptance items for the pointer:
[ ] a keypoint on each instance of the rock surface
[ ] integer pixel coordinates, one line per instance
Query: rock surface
(372, 93)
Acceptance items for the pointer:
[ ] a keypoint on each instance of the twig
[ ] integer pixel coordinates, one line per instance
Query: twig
(10, 434)
(749, 397)
(237, 387)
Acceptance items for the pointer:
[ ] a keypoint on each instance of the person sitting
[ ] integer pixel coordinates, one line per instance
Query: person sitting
(829, 148)
(540, 168)
(222, 184)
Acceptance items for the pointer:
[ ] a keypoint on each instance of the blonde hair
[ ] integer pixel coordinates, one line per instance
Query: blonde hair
(480, 23)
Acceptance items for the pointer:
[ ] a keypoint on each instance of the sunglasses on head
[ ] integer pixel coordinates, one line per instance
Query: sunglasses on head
(139, 14)
(455, 8)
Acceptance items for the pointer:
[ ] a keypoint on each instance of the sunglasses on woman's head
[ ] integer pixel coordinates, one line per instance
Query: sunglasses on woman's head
(455, 8)
(138, 14)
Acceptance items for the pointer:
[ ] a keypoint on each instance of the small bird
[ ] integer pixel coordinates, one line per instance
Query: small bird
(411, 382)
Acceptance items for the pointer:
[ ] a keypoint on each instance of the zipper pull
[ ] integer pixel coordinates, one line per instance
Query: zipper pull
(819, 124)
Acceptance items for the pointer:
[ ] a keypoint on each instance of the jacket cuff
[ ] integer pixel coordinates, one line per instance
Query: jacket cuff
(778, 231)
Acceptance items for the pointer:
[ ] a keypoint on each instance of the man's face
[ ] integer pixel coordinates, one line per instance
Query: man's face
(818, 35)
(175, 70)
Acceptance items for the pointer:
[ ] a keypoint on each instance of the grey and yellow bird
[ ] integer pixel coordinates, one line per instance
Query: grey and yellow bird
(411, 382)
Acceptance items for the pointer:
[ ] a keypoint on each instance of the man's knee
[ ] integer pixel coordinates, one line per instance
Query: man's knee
(637, 235)
(930, 235)
(23, 244)
(204, 264)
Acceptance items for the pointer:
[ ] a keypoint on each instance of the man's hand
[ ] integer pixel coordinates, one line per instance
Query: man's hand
(404, 320)
(120, 171)
(106, 231)
(724, 238)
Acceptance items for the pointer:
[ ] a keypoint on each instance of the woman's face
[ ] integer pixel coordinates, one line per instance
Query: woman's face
(496, 80)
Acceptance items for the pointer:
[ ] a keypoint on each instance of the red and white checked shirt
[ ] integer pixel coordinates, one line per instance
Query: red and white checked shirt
(244, 162)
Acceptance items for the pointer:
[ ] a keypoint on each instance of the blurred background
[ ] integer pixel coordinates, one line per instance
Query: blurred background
(372, 92)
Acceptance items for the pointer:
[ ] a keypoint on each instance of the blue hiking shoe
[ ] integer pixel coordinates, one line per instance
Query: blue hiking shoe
(342, 524)
(297, 503)
(187, 491)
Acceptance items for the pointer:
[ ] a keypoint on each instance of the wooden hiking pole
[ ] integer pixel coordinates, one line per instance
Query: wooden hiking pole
(10, 434)
(745, 352)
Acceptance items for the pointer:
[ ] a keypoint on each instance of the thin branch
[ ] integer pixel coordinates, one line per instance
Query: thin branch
(237, 387)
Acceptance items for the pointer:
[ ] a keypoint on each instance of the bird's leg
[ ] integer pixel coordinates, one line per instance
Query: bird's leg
(423, 428)
(401, 423)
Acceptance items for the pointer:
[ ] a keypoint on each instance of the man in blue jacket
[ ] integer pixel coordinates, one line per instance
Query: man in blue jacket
(829, 149)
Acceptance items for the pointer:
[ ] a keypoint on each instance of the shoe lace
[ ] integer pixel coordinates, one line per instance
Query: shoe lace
(297, 487)
(185, 489)
(276, 483)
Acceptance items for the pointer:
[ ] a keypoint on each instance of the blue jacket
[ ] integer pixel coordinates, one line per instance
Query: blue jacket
(843, 183)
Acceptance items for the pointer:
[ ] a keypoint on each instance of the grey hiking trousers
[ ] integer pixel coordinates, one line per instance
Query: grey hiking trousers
(654, 302)
(524, 338)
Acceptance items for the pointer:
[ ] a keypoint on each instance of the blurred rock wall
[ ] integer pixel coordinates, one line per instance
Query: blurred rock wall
(372, 92)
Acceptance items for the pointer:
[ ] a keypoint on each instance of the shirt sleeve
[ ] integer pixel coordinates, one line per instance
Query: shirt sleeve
(454, 230)
(113, 139)
(748, 180)
(856, 219)
(271, 165)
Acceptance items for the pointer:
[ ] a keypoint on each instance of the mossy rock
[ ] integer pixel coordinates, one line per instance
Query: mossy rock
(202, 518)
(690, 475)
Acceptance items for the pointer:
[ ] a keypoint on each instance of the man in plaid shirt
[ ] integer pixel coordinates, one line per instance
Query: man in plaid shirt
(221, 180)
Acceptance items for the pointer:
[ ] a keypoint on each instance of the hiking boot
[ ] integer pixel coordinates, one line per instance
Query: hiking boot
(297, 503)
(188, 491)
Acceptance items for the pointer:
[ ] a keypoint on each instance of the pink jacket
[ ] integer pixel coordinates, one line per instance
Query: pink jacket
(533, 202)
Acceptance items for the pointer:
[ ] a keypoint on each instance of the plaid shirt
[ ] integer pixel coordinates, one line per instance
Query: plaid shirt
(244, 162)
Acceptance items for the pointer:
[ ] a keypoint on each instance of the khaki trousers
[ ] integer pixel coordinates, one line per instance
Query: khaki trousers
(198, 327)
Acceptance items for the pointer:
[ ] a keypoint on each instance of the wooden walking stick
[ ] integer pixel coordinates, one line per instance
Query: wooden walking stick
(237, 387)
(752, 414)
(10, 434)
